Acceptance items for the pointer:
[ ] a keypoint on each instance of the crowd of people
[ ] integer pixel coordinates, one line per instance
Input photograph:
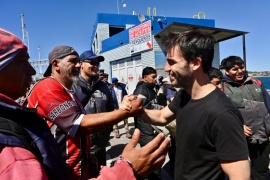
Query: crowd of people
(217, 119)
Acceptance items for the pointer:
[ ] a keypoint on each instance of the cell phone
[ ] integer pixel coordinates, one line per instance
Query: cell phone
(101, 71)
(161, 129)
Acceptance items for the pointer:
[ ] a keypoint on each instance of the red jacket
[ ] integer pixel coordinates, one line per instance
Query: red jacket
(19, 163)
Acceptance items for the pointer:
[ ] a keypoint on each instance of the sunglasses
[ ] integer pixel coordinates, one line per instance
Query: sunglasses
(93, 63)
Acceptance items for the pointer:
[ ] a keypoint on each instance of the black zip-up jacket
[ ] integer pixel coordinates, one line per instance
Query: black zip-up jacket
(149, 102)
(95, 98)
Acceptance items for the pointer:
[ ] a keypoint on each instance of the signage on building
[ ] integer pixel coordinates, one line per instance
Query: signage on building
(140, 37)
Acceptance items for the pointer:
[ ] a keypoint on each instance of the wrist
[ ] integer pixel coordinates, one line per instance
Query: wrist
(137, 176)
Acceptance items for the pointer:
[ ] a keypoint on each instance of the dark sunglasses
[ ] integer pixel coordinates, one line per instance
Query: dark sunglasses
(93, 63)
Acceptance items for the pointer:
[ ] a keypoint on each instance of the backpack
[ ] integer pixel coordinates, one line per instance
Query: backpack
(10, 127)
(34, 135)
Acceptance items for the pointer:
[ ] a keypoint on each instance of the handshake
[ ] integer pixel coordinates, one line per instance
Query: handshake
(132, 105)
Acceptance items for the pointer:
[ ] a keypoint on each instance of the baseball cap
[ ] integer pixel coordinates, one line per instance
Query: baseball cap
(10, 46)
(114, 79)
(90, 55)
(57, 53)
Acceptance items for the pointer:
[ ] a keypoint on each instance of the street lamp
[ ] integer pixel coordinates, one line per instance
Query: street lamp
(38, 49)
(123, 6)
(117, 6)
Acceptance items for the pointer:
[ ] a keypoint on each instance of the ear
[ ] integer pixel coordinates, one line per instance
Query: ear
(226, 72)
(196, 64)
(55, 64)
(81, 65)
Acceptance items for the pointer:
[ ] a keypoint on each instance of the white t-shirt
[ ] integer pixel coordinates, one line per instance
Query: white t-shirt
(118, 93)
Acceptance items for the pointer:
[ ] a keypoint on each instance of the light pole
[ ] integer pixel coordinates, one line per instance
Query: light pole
(38, 49)
(123, 5)
(117, 6)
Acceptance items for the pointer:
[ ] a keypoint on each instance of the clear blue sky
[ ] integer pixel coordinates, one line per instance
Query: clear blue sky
(70, 22)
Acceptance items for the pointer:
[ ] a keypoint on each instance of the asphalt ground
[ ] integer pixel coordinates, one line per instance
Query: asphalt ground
(117, 145)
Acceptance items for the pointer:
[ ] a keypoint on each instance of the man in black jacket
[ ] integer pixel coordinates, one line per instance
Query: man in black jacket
(95, 96)
(146, 90)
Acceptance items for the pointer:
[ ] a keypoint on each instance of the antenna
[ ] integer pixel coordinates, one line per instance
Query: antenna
(141, 17)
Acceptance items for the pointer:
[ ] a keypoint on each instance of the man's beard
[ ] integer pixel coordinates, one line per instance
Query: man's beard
(70, 78)
(183, 80)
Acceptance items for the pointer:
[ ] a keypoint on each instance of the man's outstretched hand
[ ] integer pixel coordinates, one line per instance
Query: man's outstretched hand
(132, 105)
(148, 158)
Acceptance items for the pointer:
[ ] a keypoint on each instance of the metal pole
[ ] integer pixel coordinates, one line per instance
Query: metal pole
(123, 5)
(38, 52)
(117, 6)
(244, 49)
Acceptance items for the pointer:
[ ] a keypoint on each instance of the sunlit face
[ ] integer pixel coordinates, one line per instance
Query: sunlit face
(217, 82)
(178, 68)
(90, 67)
(69, 68)
(151, 78)
(237, 73)
(16, 78)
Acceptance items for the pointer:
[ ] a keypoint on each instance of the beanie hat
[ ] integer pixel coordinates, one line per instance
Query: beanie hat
(10, 46)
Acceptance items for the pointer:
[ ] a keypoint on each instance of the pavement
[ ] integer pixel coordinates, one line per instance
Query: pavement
(117, 145)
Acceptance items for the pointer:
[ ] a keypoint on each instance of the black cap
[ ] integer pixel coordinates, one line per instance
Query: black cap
(59, 52)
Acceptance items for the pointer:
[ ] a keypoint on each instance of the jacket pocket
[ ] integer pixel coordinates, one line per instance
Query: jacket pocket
(238, 99)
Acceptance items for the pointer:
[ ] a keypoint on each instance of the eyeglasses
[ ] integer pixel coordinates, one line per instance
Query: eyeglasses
(93, 63)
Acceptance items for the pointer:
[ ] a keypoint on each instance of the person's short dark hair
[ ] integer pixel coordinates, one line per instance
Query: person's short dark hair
(192, 44)
(228, 62)
(148, 70)
(106, 75)
(215, 73)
